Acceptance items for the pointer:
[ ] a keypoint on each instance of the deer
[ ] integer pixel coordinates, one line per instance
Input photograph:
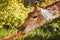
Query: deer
(37, 18)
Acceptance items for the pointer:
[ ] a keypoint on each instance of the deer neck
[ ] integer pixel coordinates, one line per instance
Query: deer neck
(54, 10)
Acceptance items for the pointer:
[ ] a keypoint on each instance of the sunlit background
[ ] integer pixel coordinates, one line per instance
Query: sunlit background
(13, 14)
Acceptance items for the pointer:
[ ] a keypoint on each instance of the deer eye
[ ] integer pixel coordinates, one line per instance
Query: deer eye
(34, 16)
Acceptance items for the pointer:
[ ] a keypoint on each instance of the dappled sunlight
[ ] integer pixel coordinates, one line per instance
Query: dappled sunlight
(13, 14)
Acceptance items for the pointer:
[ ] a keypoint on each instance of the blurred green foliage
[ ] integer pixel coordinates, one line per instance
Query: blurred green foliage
(13, 14)
(49, 31)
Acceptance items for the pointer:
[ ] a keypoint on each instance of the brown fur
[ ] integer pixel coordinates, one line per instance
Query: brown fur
(35, 19)
(55, 9)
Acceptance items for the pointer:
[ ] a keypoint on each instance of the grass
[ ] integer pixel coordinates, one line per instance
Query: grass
(6, 32)
(49, 31)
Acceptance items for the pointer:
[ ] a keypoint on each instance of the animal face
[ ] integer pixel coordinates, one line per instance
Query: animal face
(36, 18)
